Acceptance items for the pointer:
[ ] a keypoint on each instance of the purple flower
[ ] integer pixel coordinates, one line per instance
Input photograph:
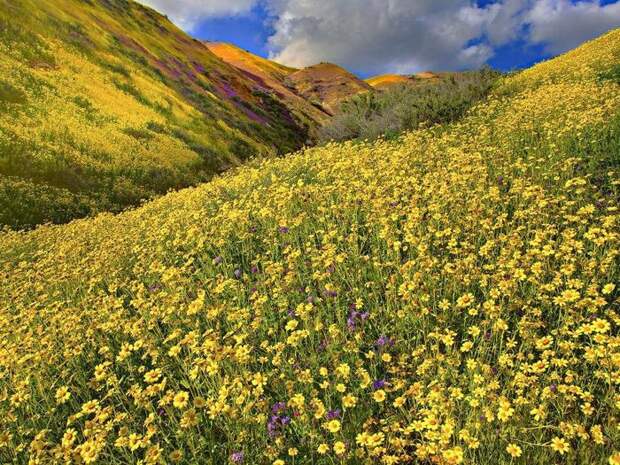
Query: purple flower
(554, 388)
(283, 229)
(272, 426)
(354, 317)
(238, 273)
(236, 457)
(378, 384)
(154, 288)
(254, 269)
(351, 320)
(217, 260)
(383, 340)
(333, 414)
(276, 422)
(278, 406)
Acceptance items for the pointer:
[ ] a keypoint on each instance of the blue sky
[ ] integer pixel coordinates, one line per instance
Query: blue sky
(371, 37)
(250, 31)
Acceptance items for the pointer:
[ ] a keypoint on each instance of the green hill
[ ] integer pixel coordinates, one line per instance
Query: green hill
(104, 103)
(448, 297)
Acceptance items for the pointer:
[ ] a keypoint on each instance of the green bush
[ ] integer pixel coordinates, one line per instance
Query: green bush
(405, 106)
(613, 74)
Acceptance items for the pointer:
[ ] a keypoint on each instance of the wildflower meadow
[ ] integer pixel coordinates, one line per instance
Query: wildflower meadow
(446, 297)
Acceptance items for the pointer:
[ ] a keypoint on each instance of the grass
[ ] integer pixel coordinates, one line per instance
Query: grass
(448, 297)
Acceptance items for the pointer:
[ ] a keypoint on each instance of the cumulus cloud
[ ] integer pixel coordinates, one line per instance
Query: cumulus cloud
(562, 25)
(377, 36)
(188, 13)
(412, 35)
(380, 35)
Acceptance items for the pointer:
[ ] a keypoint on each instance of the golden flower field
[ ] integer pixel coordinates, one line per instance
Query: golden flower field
(105, 104)
(448, 297)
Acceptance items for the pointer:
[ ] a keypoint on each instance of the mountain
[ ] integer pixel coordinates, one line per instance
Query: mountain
(105, 103)
(270, 77)
(317, 90)
(326, 84)
(385, 81)
(254, 64)
(449, 296)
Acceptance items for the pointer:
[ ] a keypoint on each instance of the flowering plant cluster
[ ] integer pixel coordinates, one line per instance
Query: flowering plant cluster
(449, 297)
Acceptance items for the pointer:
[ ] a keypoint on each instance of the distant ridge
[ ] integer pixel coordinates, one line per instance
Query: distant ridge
(270, 76)
(321, 86)
(385, 81)
(327, 84)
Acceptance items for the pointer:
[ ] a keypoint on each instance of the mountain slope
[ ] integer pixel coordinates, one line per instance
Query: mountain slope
(326, 85)
(386, 81)
(445, 298)
(249, 62)
(105, 102)
(317, 90)
(272, 77)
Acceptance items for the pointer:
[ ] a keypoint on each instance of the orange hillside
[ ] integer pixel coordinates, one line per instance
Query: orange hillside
(270, 76)
(387, 80)
(327, 84)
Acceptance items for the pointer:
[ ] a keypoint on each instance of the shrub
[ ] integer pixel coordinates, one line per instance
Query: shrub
(612, 74)
(405, 106)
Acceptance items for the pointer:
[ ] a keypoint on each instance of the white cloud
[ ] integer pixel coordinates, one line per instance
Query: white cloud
(505, 20)
(562, 25)
(380, 35)
(405, 36)
(412, 35)
(188, 13)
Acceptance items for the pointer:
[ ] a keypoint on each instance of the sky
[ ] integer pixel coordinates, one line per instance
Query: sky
(371, 37)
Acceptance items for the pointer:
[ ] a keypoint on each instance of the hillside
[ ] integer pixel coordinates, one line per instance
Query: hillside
(326, 85)
(315, 91)
(386, 81)
(448, 297)
(105, 102)
(270, 76)
(249, 62)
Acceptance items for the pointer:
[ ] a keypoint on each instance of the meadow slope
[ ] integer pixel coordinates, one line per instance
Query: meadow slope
(104, 103)
(448, 297)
